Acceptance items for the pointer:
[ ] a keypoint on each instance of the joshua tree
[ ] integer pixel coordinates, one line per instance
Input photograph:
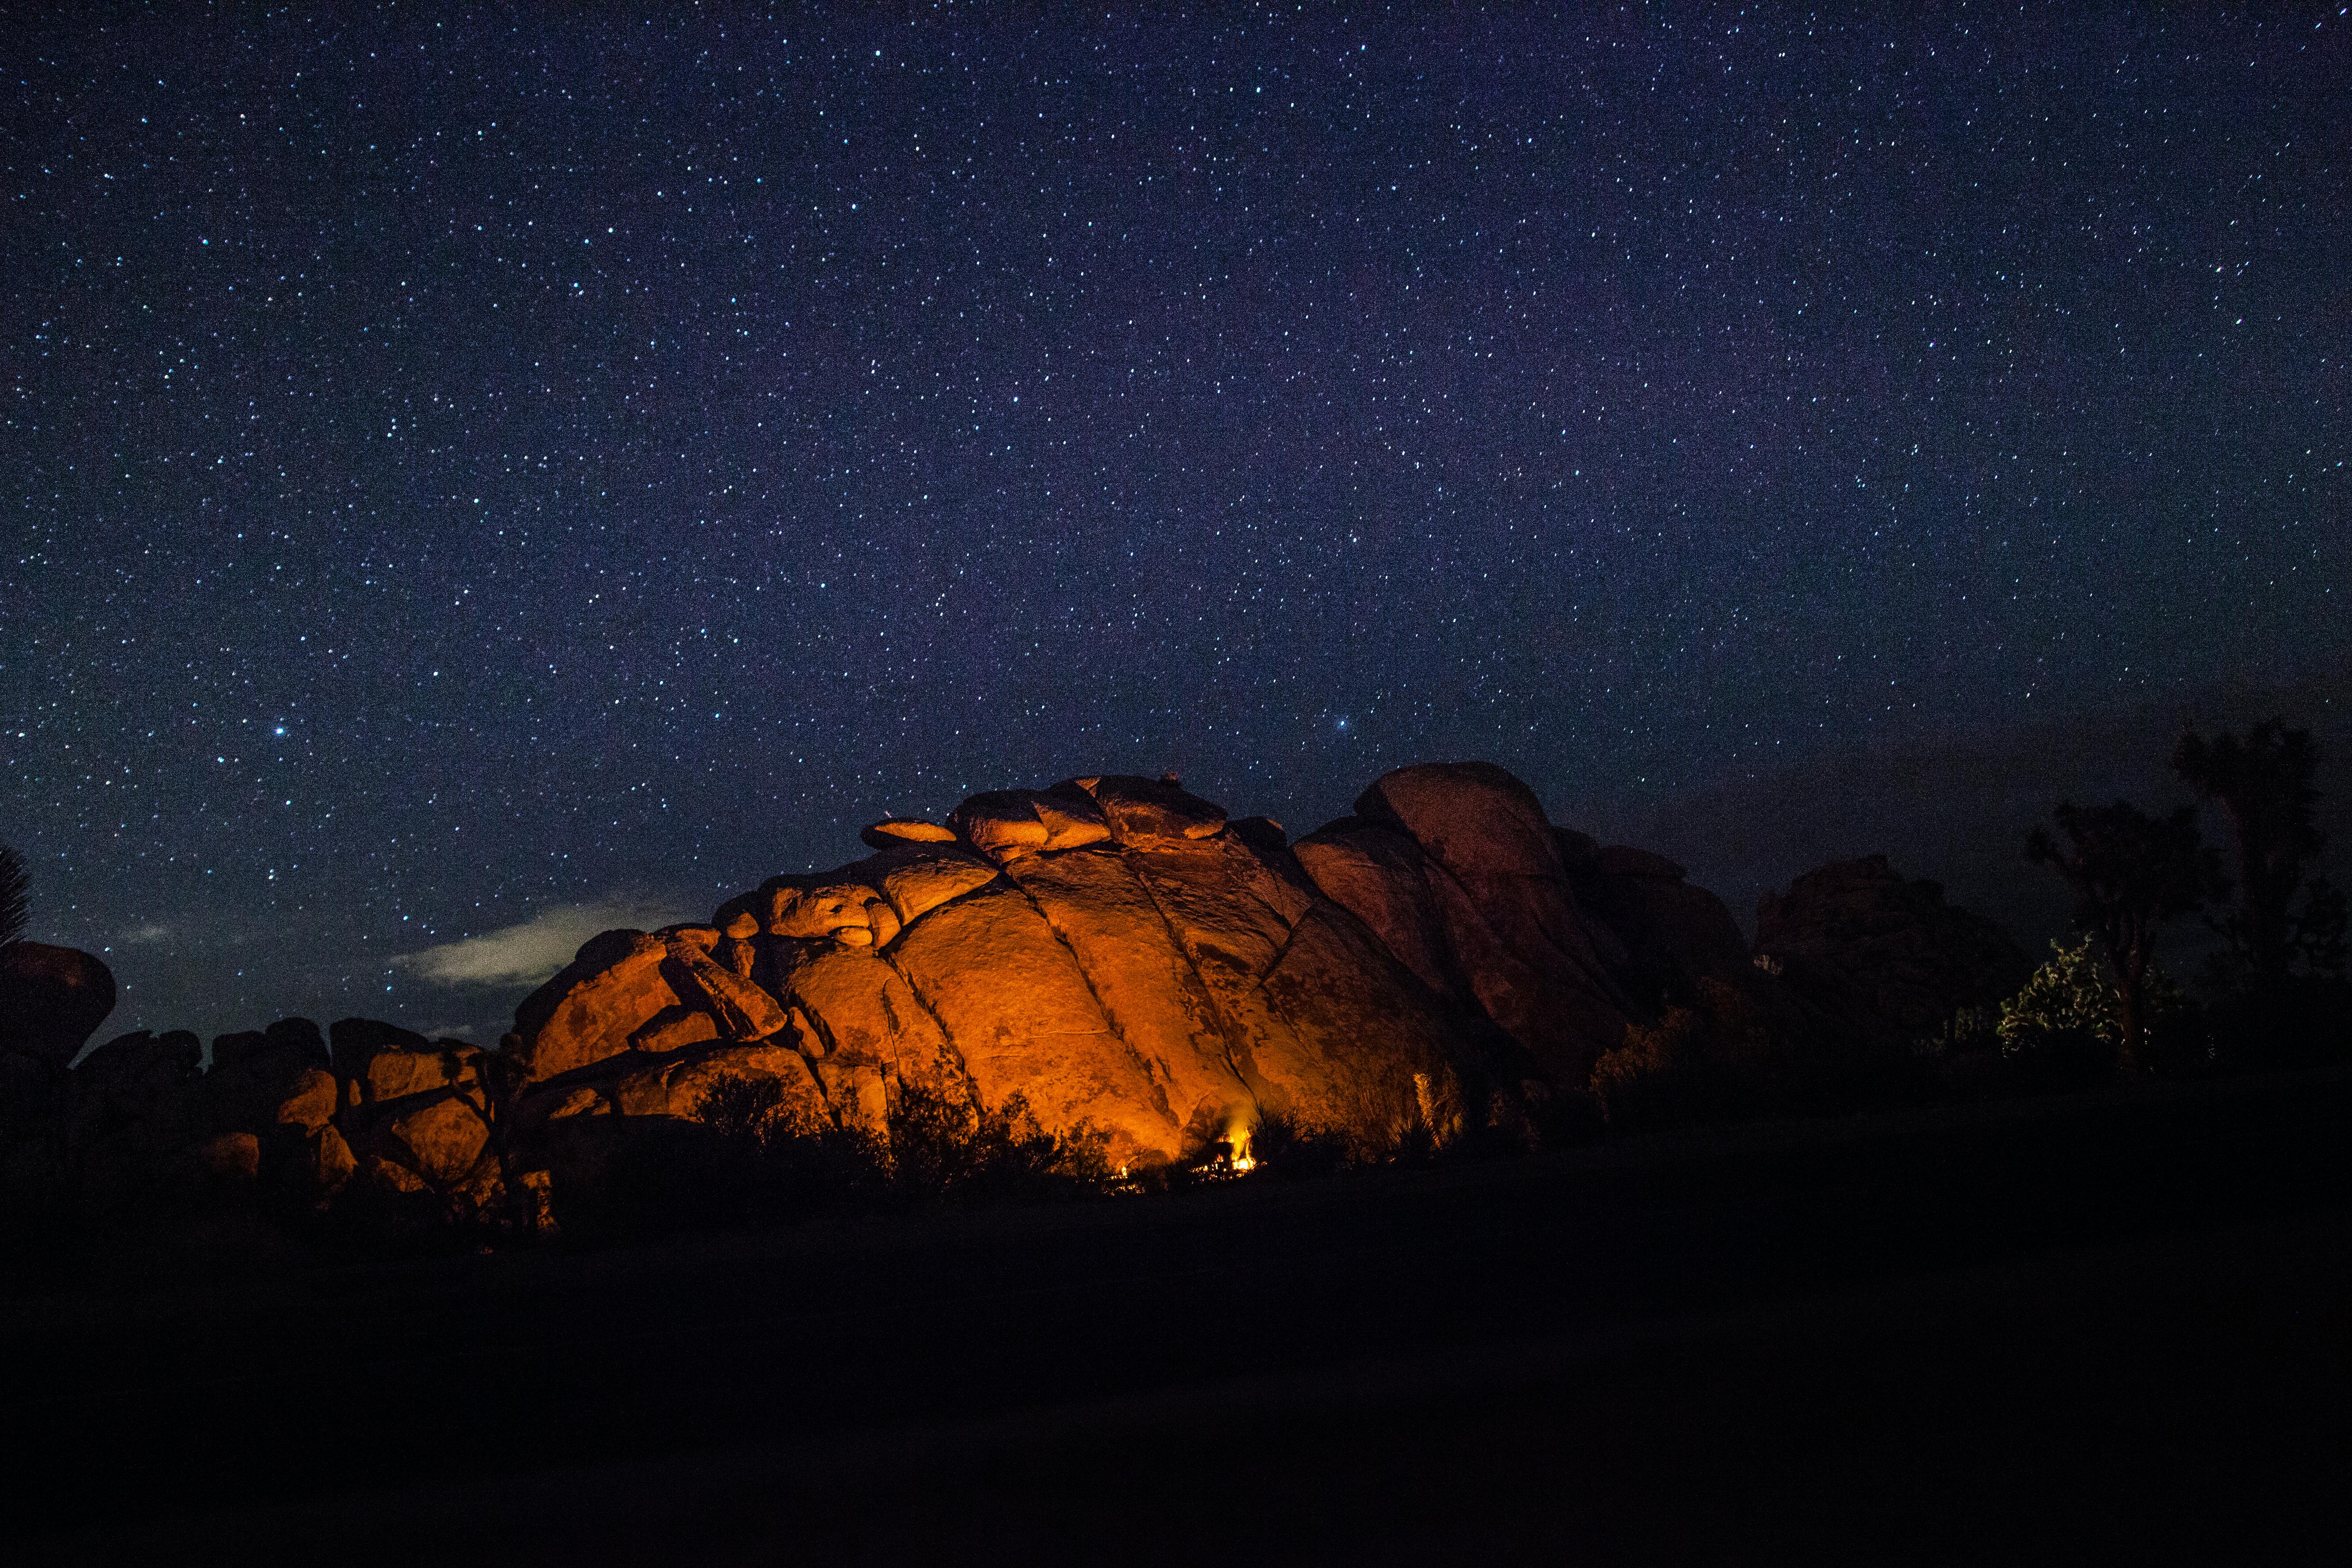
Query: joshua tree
(2264, 784)
(15, 896)
(2131, 873)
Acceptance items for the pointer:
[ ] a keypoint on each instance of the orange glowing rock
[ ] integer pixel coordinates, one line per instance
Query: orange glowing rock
(588, 1012)
(892, 832)
(1098, 904)
(1145, 813)
(1001, 824)
(1117, 953)
(676, 1086)
(383, 1061)
(441, 1140)
(744, 1012)
(1017, 1008)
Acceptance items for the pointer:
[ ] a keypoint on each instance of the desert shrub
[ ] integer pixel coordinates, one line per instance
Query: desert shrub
(1717, 1057)
(1706, 1061)
(940, 1145)
(2063, 1029)
(1286, 1147)
(739, 1109)
(2071, 994)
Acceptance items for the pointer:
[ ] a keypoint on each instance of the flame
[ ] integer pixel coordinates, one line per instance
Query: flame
(1237, 1138)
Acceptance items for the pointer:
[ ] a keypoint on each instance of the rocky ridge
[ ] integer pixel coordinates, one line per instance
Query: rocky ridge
(1112, 950)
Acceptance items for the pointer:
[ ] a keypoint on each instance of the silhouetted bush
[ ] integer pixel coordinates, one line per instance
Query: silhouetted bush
(1716, 1059)
(1706, 1062)
(1287, 1148)
(2298, 1021)
(746, 1158)
(943, 1147)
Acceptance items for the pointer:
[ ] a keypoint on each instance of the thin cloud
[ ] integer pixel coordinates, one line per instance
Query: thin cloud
(151, 931)
(529, 953)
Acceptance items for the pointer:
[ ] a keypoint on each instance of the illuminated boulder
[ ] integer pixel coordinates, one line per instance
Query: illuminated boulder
(612, 992)
(417, 1114)
(862, 1027)
(277, 1077)
(1103, 949)
(1146, 813)
(380, 1061)
(1480, 905)
(1098, 905)
(1020, 1016)
(675, 1086)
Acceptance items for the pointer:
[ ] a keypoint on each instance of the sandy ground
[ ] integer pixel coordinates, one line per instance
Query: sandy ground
(2112, 1327)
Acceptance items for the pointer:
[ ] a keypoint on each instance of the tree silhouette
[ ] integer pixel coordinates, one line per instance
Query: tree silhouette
(2263, 785)
(2131, 873)
(15, 896)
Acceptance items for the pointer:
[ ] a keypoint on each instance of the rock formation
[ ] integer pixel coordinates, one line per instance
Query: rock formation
(1856, 938)
(1112, 951)
(1103, 947)
(1115, 953)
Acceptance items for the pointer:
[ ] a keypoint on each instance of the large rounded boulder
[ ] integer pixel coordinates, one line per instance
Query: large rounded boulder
(1102, 949)
(52, 1000)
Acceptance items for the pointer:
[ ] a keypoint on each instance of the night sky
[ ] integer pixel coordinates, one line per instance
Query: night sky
(467, 474)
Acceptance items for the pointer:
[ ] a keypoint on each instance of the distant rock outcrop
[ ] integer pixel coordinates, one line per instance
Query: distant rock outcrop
(1856, 938)
(1557, 940)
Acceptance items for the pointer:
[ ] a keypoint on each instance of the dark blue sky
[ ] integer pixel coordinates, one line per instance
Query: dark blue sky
(461, 470)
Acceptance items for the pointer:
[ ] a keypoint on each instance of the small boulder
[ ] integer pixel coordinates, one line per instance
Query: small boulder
(383, 1061)
(1148, 813)
(1001, 824)
(442, 1140)
(918, 879)
(276, 1077)
(893, 832)
(744, 1011)
(588, 1013)
(1072, 819)
(812, 908)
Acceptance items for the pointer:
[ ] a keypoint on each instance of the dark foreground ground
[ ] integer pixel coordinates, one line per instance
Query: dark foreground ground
(2113, 1327)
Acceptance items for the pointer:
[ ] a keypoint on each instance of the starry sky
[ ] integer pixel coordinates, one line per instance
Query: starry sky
(476, 478)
